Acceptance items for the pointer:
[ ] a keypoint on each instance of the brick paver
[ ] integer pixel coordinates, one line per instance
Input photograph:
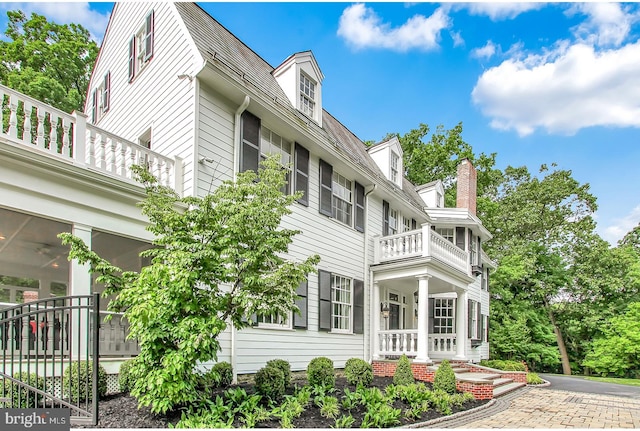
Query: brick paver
(545, 408)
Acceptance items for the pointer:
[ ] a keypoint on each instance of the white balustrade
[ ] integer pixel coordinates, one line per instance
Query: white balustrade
(442, 343)
(41, 128)
(410, 244)
(397, 342)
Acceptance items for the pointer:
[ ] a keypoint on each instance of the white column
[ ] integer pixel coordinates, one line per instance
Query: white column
(80, 284)
(375, 323)
(461, 326)
(423, 319)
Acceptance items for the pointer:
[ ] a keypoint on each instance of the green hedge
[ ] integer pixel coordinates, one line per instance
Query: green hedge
(499, 364)
(77, 381)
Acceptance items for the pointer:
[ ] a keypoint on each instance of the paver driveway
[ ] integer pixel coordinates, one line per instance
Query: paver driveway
(551, 408)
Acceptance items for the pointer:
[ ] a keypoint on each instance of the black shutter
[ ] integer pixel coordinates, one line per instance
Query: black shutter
(94, 110)
(301, 168)
(486, 329)
(106, 96)
(469, 318)
(359, 222)
(250, 153)
(358, 307)
(470, 242)
(479, 252)
(326, 190)
(414, 224)
(148, 37)
(324, 293)
(480, 322)
(432, 307)
(385, 218)
(132, 58)
(300, 320)
(460, 240)
(487, 283)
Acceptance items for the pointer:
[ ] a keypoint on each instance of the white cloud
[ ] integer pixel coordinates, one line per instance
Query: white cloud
(486, 52)
(66, 13)
(621, 226)
(563, 89)
(608, 24)
(498, 11)
(457, 38)
(362, 28)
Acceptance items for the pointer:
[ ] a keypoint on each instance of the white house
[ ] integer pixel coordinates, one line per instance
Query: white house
(399, 272)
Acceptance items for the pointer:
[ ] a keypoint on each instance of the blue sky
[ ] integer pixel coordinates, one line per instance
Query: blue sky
(534, 82)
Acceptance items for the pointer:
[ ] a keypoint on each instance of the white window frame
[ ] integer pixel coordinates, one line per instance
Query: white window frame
(394, 162)
(272, 143)
(475, 315)
(342, 199)
(307, 95)
(140, 55)
(444, 312)
(406, 224)
(393, 221)
(341, 304)
(447, 233)
(102, 98)
(274, 321)
(473, 248)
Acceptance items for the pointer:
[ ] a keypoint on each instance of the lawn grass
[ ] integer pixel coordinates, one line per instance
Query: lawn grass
(620, 381)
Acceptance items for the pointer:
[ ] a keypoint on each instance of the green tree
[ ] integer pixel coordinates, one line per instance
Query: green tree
(539, 224)
(218, 260)
(618, 350)
(48, 61)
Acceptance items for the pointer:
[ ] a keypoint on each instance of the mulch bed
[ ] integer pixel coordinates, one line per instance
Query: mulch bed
(121, 410)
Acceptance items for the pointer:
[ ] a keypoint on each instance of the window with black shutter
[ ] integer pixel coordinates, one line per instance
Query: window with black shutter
(358, 306)
(460, 238)
(414, 224)
(324, 294)
(301, 167)
(250, 152)
(326, 184)
(300, 320)
(106, 93)
(385, 218)
(359, 224)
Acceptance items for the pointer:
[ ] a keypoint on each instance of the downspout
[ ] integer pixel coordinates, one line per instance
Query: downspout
(367, 270)
(238, 138)
(236, 166)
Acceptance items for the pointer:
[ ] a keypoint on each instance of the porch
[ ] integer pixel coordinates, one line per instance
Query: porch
(43, 130)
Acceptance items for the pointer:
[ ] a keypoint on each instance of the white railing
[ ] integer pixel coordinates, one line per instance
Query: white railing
(397, 342)
(41, 128)
(412, 244)
(407, 244)
(113, 336)
(448, 252)
(442, 343)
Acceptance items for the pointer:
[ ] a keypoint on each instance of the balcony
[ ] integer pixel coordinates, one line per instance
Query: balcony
(412, 244)
(29, 124)
(405, 342)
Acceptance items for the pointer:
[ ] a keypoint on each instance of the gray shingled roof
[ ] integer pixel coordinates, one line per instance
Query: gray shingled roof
(213, 40)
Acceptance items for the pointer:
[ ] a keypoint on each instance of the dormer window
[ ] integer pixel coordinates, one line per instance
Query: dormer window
(394, 167)
(307, 95)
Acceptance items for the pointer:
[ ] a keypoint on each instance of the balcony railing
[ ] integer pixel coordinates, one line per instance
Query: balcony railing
(41, 128)
(412, 244)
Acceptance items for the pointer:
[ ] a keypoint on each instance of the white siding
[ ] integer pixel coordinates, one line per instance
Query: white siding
(156, 98)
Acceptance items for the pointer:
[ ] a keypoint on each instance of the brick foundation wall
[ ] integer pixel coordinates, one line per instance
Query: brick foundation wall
(480, 391)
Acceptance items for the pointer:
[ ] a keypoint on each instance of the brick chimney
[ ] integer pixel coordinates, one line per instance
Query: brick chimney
(467, 186)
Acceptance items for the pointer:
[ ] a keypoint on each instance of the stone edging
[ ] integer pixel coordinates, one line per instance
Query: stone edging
(450, 417)
(541, 385)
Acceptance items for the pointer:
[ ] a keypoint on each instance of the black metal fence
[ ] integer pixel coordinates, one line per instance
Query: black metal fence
(49, 351)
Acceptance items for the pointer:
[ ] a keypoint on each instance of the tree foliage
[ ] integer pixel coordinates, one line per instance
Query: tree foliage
(48, 61)
(218, 260)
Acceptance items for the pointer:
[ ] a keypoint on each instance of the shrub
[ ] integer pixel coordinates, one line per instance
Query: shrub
(269, 383)
(223, 372)
(534, 379)
(358, 372)
(78, 378)
(320, 372)
(403, 374)
(283, 366)
(445, 378)
(503, 365)
(125, 378)
(21, 397)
